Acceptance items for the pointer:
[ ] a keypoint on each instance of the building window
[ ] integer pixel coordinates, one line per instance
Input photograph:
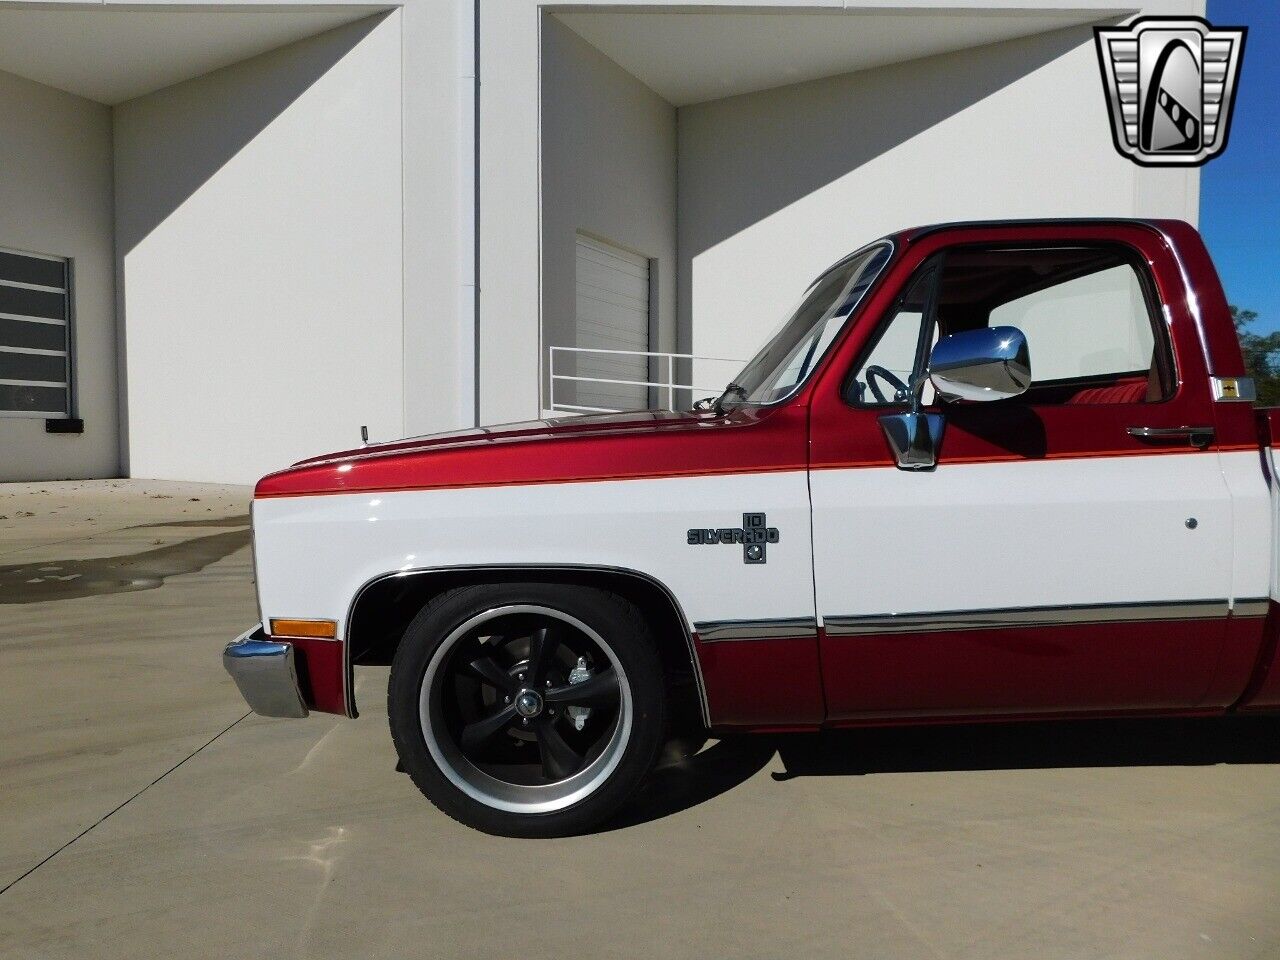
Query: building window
(35, 336)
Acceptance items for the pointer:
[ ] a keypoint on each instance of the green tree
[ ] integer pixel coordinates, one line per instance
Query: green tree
(1260, 354)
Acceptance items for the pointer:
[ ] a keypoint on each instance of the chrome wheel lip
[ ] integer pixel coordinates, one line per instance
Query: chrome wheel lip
(498, 794)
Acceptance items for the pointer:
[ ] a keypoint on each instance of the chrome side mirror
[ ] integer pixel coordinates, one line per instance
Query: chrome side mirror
(991, 363)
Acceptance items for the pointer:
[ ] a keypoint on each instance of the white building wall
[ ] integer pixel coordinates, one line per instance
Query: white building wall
(777, 185)
(509, 185)
(609, 170)
(259, 215)
(438, 129)
(55, 198)
(1002, 130)
(311, 205)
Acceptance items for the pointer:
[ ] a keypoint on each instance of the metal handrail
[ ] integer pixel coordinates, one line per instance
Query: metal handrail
(669, 384)
(645, 353)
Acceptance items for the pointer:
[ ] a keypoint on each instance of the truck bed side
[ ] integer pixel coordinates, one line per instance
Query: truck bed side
(1263, 689)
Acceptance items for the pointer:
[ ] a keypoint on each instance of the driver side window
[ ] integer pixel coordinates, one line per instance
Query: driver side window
(1093, 335)
(885, 374)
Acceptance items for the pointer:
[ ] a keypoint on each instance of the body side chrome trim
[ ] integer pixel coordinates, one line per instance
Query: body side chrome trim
(786, 628)
(1251, 607)
(1053, 616)
(348, 679)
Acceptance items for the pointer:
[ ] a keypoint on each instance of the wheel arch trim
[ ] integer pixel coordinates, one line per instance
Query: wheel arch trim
(512, 570)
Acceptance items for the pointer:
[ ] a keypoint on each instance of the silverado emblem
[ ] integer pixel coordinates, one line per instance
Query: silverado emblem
(754, 535)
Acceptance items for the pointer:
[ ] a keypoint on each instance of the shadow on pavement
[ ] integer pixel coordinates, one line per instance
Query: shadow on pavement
(1024, 746)
(687, 778)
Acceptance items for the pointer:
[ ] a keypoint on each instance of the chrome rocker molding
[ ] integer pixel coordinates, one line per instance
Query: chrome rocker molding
(1255, 607)
(789, 628)
(951, 620)
(527, 568)
(266, 674)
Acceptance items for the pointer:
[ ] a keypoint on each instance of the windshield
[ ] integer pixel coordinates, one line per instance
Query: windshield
(799, 343)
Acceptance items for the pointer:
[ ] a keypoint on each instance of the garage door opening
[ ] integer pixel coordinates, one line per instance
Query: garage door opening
(612, 318)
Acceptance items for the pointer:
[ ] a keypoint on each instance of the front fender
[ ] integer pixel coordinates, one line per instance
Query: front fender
(316, 554)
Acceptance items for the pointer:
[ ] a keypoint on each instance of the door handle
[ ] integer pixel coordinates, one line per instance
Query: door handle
(1199, 437)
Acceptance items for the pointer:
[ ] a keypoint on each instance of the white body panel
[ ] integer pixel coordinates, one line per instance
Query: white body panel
(1258, 524)
(1253, 535)
(315, 553)
(1028, 534)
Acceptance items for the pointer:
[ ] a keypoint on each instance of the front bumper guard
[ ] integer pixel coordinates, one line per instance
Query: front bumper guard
(266, 674)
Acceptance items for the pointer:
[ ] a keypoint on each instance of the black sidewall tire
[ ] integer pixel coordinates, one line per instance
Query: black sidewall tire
(616, 620)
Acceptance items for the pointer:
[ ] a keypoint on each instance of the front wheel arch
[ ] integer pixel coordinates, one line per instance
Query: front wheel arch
(385, 606)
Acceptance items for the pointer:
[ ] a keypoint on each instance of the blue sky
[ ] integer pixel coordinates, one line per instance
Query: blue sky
(1240, 189)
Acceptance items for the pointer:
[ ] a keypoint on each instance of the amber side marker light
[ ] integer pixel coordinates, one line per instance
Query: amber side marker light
(320, 629)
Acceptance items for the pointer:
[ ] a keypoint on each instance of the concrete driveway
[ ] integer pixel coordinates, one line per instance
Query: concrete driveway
(142, 813)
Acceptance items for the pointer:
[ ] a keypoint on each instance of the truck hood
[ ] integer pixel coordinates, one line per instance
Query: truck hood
(597, 447)
(508, 432)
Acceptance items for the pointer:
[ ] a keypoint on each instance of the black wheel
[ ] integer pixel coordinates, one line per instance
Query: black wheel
(530, 710)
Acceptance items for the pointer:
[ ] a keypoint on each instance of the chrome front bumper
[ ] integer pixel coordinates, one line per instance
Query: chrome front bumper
(265, 672)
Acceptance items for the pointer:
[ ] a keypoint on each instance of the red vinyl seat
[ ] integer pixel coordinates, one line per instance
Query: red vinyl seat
(1131, 391)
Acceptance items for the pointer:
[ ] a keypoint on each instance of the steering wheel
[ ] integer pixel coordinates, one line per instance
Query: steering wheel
(874, 371)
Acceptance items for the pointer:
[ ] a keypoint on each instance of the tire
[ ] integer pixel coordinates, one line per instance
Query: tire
(527, 709)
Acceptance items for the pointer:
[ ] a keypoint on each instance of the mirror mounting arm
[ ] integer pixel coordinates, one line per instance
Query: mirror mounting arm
(989, 363)
(915, 436)
(928, 322)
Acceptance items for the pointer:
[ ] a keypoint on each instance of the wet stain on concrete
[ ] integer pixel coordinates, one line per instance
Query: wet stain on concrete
(240, 521)
(46, 580)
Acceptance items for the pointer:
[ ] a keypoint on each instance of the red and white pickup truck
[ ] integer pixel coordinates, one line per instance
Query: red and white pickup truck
(850, 534)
